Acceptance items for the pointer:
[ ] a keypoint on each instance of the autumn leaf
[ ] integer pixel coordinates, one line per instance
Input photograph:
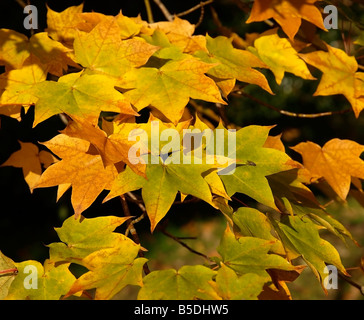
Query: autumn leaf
(302, 235)
(229, 286)
(52, 281)
(188, 283)
(337, 161)
(61, 24)
(180, 33)
(233, 63)
(17, 86)
(81, 237)
(253, 223)
(112, 149)
(110, 270)
(81, 95)
(339, 76)
(254, 164)
(103, 51)
(30, 160)
(8, 272)
(288, 14)
(250, 255)
(80, 167)
(171, 178)
(169, 87)
(17, 48)
(279, 54)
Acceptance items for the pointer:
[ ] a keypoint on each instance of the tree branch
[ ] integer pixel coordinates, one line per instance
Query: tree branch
(132, 230)
(196, 7)
(291, 114)
(164, 10)
(149, 11)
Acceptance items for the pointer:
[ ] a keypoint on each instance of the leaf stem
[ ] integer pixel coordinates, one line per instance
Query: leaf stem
(12, 271)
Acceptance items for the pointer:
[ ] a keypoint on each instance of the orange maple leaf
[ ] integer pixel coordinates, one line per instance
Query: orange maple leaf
(337, 161)
(340, 75)
(81, 167)
(30, 160)
(288, 13)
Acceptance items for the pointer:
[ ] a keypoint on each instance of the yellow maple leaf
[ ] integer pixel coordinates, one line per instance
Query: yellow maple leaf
(288, 14)
(340, 76)
(180, 33)
(337, 161)
(102, 50)
(279, 54)
(30, 160)
(61, 24)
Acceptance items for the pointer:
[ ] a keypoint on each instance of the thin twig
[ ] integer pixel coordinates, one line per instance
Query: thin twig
(292, 114)
(149, 11)
(196, 7)
(178, 239)
(352, 283)
(132, 230)
(164, 10)
(21, 3)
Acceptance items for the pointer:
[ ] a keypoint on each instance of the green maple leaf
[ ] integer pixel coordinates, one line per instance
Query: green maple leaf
(230, 286)
(189, 282)
(250, 255)
(160, 188)
(111, 270)
(302, 235)
(81, 237)
(254, 164)
(232, 63)
(81, 95)
(52, 281)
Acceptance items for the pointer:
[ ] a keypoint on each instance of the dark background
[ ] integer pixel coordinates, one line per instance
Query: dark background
(27, 220)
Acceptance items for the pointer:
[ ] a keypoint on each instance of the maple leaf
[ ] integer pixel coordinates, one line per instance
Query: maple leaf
(112, 149)
(53, 281)
(81, 95)
(188, 283)
(253, 223)
(250, 255)
(31, 160)
(17, 48)
(229, 286)
(7, 272)
(180, 33)
(279, 54)
(254, 164)
(111, 269)
(60, 24)
(17, 86)
(302, 235)
(169, 87)
(159, 197)
(81, 237)
(337, 161)
(288, 13)
(233, 63)
(80, 167)
(339, 76)
(103, 51)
